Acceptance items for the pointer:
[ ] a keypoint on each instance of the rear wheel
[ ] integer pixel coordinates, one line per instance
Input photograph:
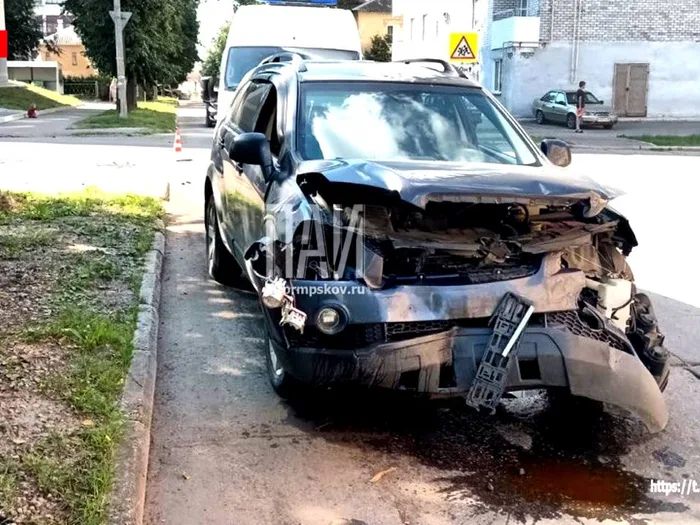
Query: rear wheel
(539, 117)
(223, 268)
(282, 383)
(571, 121)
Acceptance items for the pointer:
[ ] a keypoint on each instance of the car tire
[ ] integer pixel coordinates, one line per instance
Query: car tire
(608, 126)
(284, 385)
(222, 266)
(539, 117)
(571, 121)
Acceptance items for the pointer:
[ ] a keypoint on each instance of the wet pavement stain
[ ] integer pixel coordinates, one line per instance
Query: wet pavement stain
(538, 457)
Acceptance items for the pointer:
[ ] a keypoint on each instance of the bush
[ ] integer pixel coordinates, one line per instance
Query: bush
(380, 49)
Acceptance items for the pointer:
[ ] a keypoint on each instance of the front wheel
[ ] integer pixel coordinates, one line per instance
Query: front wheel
(571, 121)
(222, 267)
(539, 117)
(608, 126)
(282, 383)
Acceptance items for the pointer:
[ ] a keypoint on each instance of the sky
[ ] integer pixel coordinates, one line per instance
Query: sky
(212, 14)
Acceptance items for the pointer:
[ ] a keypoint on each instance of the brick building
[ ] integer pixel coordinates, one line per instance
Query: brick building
(641, 56)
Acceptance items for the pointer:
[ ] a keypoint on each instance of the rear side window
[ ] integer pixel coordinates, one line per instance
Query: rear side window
(246, 108)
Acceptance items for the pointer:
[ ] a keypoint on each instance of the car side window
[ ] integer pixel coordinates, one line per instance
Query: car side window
(251, 105)
(549, 97)
(267, 121)
(235, 109)
(560, 99)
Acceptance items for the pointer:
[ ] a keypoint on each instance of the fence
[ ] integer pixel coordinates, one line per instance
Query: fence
(82, 88)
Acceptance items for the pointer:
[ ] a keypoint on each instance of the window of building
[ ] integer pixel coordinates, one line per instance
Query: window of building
(390, 33)
(413, 24)
(425, 23)
(74, 59)
(497, 75)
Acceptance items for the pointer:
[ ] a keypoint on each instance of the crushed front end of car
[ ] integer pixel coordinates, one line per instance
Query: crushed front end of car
(389, 276)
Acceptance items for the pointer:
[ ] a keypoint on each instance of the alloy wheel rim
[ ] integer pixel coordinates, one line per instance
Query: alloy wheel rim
(274, 361)
(211, 232)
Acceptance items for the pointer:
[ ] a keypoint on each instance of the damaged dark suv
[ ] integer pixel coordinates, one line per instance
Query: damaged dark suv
(402, 231)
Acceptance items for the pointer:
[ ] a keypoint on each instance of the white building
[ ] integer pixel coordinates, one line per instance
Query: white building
(427, 25)
(51, 16)
(642, 57)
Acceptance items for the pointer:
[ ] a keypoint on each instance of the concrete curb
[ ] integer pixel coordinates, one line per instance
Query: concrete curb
(127, 499)
(23, 114)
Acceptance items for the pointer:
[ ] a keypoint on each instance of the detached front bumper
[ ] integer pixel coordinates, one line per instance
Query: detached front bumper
(446, 363)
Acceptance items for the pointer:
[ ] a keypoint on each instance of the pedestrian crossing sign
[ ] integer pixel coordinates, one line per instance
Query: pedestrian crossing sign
(464, 47)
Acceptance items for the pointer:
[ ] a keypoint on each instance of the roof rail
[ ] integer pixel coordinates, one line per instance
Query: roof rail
(285, 57)
(448, 68)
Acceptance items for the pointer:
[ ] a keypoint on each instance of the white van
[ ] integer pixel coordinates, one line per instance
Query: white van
(258, 31)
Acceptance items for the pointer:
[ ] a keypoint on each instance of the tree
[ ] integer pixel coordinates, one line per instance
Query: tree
(239, 3)
(160, 40)
(24, 30)
(380, 49)
(210, 67)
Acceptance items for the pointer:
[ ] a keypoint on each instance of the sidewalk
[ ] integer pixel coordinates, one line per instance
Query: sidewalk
(611, 140)
(51, 122)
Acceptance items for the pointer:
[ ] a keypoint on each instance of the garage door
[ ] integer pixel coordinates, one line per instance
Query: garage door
(631, 84)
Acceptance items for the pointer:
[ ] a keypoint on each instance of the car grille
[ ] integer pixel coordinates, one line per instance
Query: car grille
(574, 324)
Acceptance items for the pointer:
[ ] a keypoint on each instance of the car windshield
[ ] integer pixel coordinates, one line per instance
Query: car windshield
(388, 121)
(590, 98)
(240, 60)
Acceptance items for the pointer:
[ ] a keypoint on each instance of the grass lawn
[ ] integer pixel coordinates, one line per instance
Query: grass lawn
(70, 271)
(16, 97)
(668, 140)
(153, 116)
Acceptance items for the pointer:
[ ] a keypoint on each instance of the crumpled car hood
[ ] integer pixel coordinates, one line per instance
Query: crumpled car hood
(421, 182)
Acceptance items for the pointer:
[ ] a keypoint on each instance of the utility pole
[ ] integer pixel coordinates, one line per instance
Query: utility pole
(3, 46)
(120, 19)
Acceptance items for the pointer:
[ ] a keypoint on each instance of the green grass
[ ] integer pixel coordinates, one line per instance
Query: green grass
(22, 97)
(667, 140)
(152, 116)
(168, 100)
(77, 468)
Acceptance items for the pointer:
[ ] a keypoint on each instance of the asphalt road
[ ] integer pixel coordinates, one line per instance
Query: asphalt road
(226, 450)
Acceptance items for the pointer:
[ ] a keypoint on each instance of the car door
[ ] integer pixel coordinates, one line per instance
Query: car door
(546, 103)
(560, 107)
(252, 184)
(243, 119)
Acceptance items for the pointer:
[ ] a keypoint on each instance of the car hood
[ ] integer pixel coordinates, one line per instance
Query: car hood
(421, 182)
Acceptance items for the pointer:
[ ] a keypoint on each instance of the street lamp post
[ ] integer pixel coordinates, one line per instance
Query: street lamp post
(120, 19)
(3, 59)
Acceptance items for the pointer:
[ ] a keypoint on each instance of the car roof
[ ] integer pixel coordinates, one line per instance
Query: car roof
(364, 70)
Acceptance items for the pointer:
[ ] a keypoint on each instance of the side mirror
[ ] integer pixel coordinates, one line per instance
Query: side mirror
(561, 103)
(253, 148)
(557, 151)
(601, 101)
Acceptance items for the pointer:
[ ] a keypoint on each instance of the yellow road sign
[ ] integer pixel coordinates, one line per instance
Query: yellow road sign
(464, 47)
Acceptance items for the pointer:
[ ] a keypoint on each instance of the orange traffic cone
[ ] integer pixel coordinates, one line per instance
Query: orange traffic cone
(177, 145)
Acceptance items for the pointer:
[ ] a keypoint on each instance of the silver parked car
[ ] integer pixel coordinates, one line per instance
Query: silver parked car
(560, 106)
